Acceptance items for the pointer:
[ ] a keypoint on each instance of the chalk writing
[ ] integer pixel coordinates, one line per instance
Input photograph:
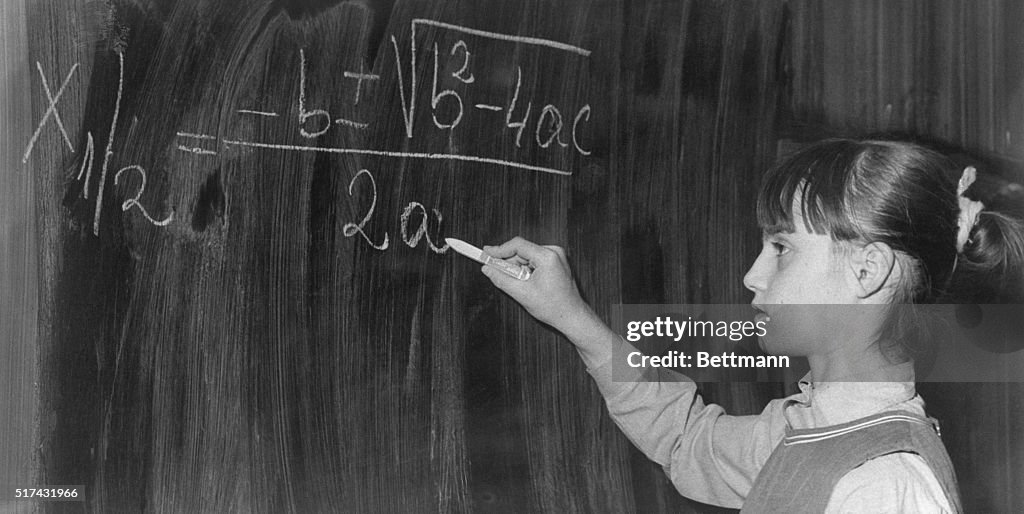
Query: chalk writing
(258, 113)
(579, 115)
(549, 127)
(199, 151)
(87, 164)
(350, 123)
(408, 109)
(303, 113)
(134, 201)
(503, 37)
(110, 144)
(414, 240)
(196, 150)
(197, 136)
(465, 63)
(550, 123)
(51, 110)
(518, 125)
(360, 77)
(436, 97)
(89, 157)
(387, 153)
(351, 229)
(306, 114)
(556, 120)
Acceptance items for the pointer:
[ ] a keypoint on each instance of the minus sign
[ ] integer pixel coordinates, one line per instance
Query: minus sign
(258, 113)
(196, 150)
(196, 136)
(350, 123)
(488, 107)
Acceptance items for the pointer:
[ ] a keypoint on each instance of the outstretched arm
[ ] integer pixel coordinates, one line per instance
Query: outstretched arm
(709, 456)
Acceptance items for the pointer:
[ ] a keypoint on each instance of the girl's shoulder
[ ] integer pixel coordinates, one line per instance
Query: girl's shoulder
(897, 482)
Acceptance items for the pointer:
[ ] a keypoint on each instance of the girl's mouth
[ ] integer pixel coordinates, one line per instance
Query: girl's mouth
(760, 315)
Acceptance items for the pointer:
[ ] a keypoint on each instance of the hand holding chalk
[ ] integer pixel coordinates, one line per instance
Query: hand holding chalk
(519, 271)
(550, 295)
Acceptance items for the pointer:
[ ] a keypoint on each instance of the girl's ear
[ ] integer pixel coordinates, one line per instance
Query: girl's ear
(871, 267)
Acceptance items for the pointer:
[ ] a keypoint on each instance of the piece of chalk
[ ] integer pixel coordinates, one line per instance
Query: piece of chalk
(513, 270)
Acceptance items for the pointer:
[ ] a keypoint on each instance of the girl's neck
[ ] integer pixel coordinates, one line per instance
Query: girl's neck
(861, 365)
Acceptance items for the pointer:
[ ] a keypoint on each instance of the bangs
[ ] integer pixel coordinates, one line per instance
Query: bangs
(815, 178)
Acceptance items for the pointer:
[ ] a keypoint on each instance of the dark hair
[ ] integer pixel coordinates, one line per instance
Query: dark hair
(904, 195)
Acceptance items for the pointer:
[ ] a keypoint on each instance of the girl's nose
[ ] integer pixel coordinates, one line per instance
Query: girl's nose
(755, 279)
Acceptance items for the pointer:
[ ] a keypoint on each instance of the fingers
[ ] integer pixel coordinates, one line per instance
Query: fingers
(520, 251)
(504, 282)
(559, 251)
(517, 246)
(514, 259)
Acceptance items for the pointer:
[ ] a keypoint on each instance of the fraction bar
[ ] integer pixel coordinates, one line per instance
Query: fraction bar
(384, 153)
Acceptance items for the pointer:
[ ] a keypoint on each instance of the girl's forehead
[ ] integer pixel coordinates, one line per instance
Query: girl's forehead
(775, 219)
(798, 234)
(796, 216)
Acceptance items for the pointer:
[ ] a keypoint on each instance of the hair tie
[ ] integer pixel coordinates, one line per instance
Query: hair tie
(969, 209)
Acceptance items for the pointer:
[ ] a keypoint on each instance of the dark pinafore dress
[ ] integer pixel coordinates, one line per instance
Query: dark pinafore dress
(804, 468)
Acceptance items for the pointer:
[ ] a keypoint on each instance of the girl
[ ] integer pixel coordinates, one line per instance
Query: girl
(845, 222)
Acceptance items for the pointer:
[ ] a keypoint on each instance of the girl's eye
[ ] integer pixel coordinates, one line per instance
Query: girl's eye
(779, 248)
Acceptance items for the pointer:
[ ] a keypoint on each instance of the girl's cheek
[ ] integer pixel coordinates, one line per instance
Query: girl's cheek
(781, 265)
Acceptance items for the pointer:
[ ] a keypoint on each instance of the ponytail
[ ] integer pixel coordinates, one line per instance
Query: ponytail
(990, 269)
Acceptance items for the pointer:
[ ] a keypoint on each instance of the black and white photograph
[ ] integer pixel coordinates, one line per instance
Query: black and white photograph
(512, 256)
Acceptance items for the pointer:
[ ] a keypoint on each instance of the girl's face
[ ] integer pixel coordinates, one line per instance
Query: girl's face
(794, 277)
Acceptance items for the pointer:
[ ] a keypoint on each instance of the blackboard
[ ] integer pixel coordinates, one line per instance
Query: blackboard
(245, 301)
